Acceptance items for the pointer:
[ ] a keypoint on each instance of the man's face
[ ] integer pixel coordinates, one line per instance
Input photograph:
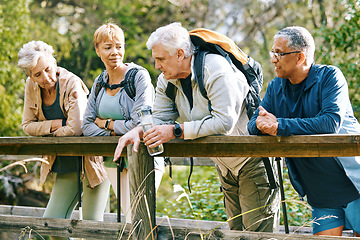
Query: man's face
(284, 65)
(168, 65)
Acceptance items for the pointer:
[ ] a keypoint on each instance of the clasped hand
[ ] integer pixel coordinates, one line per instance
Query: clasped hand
(267, 122)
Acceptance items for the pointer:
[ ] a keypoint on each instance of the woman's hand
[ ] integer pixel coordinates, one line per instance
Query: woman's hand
(56, 124)
(100, 122)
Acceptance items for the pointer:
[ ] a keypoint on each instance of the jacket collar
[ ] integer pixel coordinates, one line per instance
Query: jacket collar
(311, 79)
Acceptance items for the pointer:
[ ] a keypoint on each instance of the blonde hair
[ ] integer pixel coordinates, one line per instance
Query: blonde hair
(30, 53)
(109, 31)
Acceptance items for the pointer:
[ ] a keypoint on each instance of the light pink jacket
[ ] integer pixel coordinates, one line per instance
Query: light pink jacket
(73, 100)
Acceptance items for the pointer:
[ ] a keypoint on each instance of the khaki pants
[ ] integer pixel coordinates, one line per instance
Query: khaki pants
(249, 200)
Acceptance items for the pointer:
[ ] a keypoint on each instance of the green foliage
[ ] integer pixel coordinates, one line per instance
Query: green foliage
(205, 197)
(12, 32)
(340, 46)
(81, 18)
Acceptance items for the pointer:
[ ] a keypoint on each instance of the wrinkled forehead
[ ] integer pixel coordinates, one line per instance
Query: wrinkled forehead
(43, 62)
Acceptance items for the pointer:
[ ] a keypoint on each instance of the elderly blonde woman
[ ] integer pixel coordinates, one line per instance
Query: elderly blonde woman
(111, 109)
(55, 101)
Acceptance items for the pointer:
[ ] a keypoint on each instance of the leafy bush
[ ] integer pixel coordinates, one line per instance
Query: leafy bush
(205, 197)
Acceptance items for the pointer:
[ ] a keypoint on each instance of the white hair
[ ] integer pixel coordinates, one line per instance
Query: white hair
(172, 37)
(30, 53)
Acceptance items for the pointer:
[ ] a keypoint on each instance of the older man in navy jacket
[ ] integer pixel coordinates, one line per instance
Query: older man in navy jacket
(303, 99)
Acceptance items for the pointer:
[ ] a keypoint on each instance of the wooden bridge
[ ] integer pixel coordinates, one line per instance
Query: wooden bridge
(144, 223)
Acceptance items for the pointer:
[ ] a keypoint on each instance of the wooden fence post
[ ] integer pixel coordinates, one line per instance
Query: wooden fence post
(142, 192)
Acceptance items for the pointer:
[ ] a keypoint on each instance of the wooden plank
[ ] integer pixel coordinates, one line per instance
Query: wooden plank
(142, 193)
(62, 146)
(112, 217)
(161, 221)
(108, 230)
(197, 234)
(64, 227)
(212, 146)
(198, 161)
(264, 146)
(139, 166)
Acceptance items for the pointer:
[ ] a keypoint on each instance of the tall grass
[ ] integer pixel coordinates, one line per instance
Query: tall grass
(207, 200)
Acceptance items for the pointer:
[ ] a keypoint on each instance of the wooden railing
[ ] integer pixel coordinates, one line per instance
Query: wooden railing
(140, 165)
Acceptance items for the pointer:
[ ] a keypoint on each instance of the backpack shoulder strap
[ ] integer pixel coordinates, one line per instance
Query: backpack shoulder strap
(199, 63)
(99, 84)
(171, 93)
(130, 82)
(270, 173)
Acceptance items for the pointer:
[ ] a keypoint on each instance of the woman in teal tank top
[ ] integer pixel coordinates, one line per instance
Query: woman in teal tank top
(111, 110)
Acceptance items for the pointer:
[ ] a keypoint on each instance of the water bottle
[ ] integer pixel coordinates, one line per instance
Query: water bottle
(147, 122)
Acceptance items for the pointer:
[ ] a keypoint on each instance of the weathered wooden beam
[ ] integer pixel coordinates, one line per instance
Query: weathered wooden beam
(161, 221)
(110, 231)
(112, 217)
(194, 233)
(64, 227)
(61, 146)
(142, 193)
(212, 146)
(265, 146)
(140, 165)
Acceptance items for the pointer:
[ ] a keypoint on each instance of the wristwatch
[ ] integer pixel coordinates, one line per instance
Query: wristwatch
(177, 130)
(107, 123)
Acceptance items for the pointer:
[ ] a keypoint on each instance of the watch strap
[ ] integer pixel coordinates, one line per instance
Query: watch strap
(107, 123)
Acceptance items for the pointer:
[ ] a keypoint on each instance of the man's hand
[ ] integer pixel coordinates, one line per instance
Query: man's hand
(158, 134)
(131, 137)
(267, 122)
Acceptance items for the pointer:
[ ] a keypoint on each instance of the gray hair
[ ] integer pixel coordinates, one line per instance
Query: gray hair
(172, 37)
(300, 39)
(30, 53)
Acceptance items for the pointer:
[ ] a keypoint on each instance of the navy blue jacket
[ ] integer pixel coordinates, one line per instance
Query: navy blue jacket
(323, 107)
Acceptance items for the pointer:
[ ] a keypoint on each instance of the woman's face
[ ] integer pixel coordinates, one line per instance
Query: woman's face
(44, 73)
(111, 53)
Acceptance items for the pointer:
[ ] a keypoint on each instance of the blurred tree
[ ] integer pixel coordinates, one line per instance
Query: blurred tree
(341, 47)
(334, 25)
(77, 20)
(14, 16)
(69, 25)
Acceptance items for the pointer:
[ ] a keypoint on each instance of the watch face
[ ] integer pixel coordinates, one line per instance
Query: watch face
(177, 130)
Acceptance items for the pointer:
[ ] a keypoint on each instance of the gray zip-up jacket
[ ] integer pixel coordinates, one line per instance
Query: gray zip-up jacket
(226, 91)
(144, 96)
